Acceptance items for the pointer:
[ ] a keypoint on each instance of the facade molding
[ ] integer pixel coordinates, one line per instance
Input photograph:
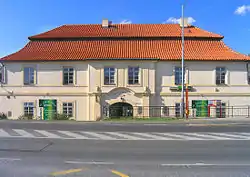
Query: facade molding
(207, 94)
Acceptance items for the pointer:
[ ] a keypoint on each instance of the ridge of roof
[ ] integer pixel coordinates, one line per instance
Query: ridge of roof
(123, 30)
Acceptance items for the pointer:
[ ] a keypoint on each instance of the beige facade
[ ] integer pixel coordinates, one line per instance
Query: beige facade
(89, 93)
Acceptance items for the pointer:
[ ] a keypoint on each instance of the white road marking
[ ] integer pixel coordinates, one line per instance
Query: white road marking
(151, 136)
(203, 164)
(96, 163)
(126, 136)
(99, 135)
(4, 133)
(180, 136)
(48, 134)
(73, 135)
(207, 136)
(10, 159)
(23, 133)
(230, 135)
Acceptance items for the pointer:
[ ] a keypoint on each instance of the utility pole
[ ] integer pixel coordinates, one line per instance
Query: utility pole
(182, 66)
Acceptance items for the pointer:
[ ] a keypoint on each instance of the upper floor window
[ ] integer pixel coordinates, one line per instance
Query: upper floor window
(248, 73)
(29, 75)
(220, 75)
(109, 76)
(68, 75)
(68, 109)
(178, 75)
(29, 109)
(2, 74)
(133, 75)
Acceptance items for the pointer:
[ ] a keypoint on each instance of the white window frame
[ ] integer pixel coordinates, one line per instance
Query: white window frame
(179, 69)
(220, 76)
(109, 75)
(134, 75)
(30, 109)
(29, 75)
(67, 68)
(66, 106)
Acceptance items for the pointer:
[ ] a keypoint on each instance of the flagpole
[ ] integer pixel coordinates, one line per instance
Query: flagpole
(182, 66)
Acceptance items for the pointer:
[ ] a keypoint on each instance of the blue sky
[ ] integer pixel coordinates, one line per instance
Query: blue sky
(22, 18)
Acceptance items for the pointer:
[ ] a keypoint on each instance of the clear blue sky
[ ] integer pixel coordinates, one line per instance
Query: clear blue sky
(22, 18)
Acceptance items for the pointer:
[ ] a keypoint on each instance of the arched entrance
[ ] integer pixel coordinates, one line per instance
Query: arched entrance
(121, 109)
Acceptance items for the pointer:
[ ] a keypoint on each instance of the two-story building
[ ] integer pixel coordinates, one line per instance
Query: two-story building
(80, 70)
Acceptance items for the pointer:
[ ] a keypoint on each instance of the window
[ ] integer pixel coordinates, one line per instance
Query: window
(109, 76)
(29, 76)
(2, 74)
(220, 75)
(68, 76)
(29, 109)
(68, 109)
(178, 75)
(133, 75)
(248, 73)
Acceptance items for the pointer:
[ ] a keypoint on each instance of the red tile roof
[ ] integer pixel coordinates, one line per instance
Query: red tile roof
(124, 30)
(125, 49)
(137, 41)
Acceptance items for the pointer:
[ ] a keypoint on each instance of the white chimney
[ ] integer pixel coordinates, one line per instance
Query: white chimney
(105, 23)
(185, 22)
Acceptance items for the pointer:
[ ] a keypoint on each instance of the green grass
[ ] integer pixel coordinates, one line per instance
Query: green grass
(144, 119)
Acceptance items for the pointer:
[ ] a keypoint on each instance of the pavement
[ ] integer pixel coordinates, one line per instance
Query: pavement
(98, 149)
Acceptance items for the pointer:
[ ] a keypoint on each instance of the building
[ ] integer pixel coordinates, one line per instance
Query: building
(85, 70)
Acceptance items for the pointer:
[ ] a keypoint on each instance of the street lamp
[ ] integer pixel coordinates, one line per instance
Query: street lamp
(182, 65)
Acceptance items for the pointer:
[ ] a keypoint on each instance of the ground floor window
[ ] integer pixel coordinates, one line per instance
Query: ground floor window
(29, 109)
(68, 109)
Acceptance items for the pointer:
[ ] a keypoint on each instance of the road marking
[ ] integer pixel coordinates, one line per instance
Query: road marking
(151, 136)
(23, 133)
(95, 163)
(206, 136)
(230, 135)
(48, 134)
(100, 136)
(119, 173)
(57, 173)
(126, 136)
(73, 135)
(10, 159)
(202, 164)
(180, 136)
(4, 133)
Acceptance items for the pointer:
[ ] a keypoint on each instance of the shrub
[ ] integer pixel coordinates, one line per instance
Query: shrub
(3, 116)
(25, 117)
(59, 116)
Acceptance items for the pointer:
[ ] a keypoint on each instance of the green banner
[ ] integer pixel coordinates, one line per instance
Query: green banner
(49, 108)
(201, 107)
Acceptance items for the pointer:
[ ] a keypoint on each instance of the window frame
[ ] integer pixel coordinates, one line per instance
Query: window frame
(67, 108)
(109, 75)
(220, 75)
(68, 72)
(133, 76)
(3, 76)
(180, 75)
(29, 108)
(29, 76)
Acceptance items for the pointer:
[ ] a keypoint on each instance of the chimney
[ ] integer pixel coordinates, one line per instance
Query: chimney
(185, 22)
(105, 23)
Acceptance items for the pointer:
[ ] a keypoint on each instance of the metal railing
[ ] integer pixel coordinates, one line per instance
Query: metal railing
(175, 111)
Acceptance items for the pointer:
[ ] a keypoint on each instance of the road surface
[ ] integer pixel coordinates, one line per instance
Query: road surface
(138, 154)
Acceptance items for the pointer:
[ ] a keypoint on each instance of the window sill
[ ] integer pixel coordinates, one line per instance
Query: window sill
(134, 85)
(222, 85)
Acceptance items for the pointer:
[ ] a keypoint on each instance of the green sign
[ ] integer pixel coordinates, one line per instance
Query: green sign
(201, 107)
(49, 108)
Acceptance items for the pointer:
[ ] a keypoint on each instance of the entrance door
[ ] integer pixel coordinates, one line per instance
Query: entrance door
(121, 110)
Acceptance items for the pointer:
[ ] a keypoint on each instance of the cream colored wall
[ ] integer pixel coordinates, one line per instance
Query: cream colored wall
(158, 76)
(201, 75)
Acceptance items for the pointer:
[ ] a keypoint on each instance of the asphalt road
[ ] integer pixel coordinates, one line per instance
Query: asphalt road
(130, 127)
(71, 158)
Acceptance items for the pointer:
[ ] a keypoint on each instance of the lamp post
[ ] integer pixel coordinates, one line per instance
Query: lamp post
(182, 65)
